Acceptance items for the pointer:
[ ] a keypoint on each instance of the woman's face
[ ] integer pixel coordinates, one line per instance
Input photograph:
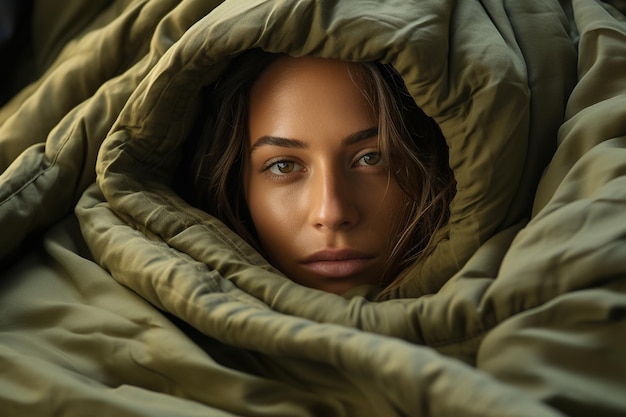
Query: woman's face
(319, 192)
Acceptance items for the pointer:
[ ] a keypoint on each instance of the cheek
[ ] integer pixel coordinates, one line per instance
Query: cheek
(274, 215)
(396, 210)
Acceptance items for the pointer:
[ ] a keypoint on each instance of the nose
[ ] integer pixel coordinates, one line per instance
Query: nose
(333, 202)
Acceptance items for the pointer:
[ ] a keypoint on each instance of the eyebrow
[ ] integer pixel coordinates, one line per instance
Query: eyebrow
(351, 139)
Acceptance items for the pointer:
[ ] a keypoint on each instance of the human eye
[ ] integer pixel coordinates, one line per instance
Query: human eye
(282, 167)
(370, 159)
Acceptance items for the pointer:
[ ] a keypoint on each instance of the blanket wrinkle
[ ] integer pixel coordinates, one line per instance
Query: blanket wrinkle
(71, 92)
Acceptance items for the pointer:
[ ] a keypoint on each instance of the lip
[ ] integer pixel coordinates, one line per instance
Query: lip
(337, 263)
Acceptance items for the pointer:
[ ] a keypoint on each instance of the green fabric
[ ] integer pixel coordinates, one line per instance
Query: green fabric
(517, 311)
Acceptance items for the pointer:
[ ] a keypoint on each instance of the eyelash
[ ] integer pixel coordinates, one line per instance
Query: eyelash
(274, 162)
(377, 154)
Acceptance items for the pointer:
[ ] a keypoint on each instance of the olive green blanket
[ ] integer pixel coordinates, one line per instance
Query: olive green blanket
(118, 298)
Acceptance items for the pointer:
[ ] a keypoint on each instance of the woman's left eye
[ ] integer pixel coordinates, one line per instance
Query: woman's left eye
(371, 159)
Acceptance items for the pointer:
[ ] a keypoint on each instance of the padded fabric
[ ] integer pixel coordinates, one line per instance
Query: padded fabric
(140, 304)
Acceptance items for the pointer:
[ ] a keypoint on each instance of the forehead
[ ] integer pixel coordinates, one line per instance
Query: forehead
(308, 96)
(288, 69)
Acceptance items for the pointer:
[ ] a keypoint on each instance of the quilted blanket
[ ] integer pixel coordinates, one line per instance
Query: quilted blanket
(120, 298)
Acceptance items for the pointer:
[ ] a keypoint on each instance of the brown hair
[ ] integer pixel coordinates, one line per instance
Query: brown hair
(409, 139)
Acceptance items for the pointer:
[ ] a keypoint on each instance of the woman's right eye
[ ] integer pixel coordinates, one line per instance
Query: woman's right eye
(283, 167)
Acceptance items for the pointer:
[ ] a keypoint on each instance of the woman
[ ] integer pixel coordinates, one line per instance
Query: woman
(326, 167)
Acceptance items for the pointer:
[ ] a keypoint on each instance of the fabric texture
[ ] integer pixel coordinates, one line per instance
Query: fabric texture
(140, 304)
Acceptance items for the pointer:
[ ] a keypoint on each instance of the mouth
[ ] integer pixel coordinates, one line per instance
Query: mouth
(337, 263)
